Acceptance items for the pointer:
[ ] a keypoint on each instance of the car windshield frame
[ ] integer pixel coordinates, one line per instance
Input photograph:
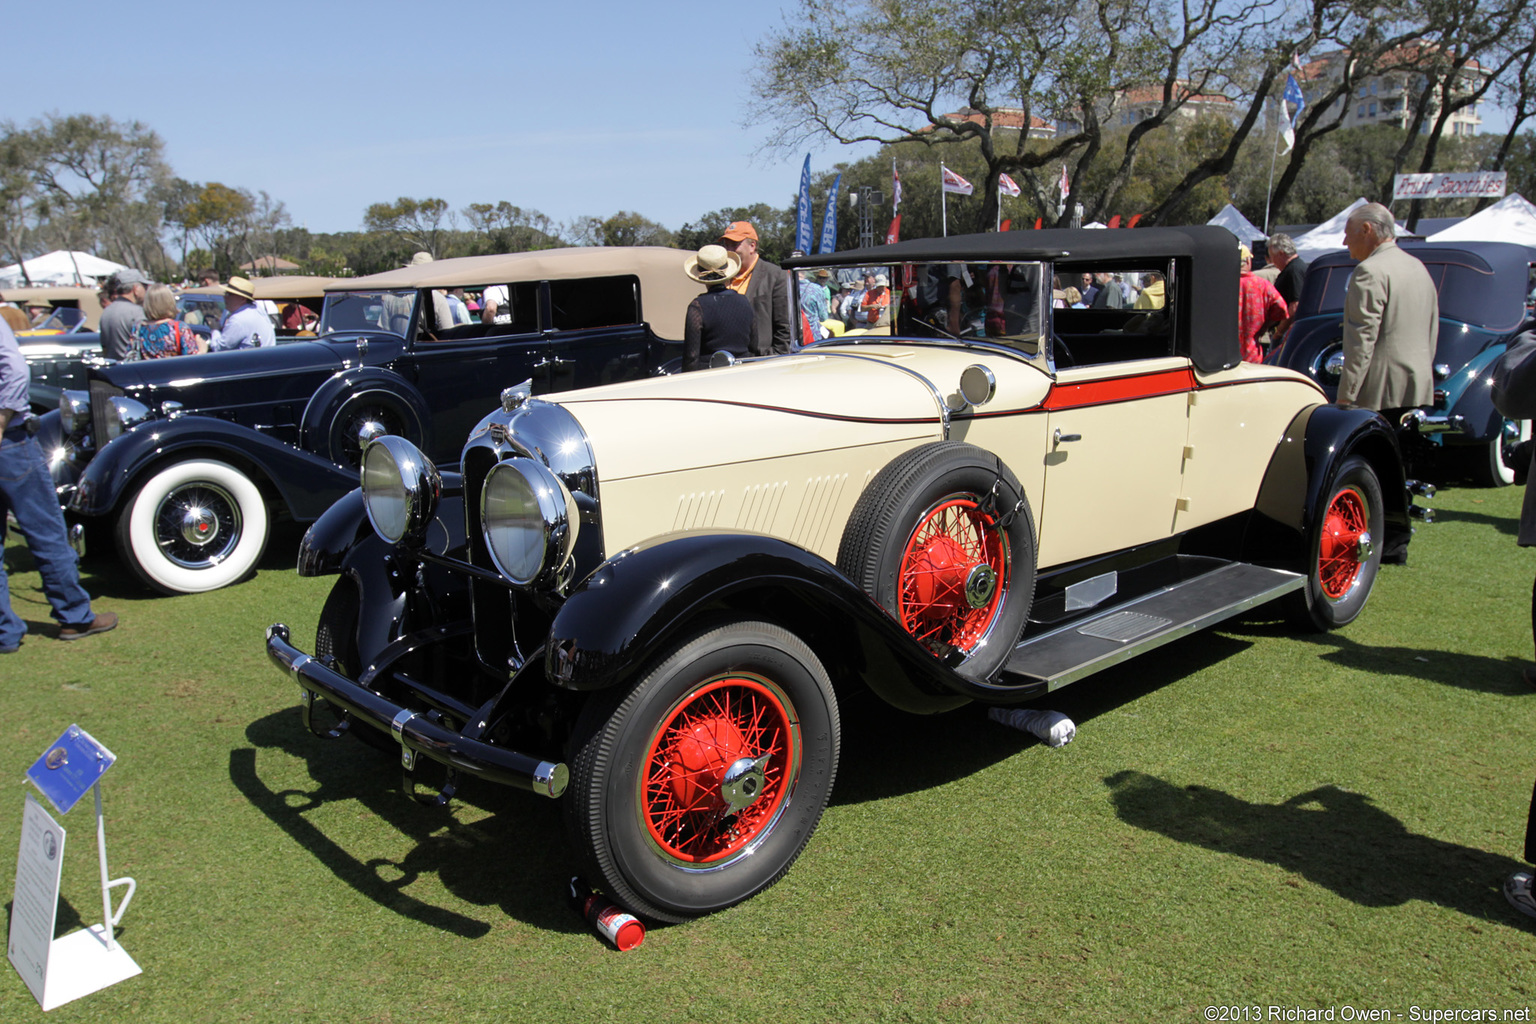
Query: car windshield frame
(993, 302)
(371, 309)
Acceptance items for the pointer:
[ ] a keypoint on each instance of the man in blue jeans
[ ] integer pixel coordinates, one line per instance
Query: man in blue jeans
(26, 488)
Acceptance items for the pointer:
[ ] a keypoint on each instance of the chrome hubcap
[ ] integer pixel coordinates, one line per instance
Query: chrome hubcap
(368, 430)
(743, 782)
(980, 585)
(199, 526)
(1367, 547)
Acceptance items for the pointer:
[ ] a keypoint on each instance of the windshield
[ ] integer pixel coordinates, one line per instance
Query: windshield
(63, 319)
(376, 310)
(201, 310)
(1002, 303)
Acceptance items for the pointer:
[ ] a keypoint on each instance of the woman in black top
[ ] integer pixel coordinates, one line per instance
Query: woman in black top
(720, 320)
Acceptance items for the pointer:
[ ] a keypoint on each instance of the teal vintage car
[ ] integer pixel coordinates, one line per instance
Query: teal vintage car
(1484, 290)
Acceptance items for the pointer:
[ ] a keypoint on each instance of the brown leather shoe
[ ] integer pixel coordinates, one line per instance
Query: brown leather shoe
(100, 624)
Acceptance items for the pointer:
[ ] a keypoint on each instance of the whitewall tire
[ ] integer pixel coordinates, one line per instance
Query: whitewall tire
(194, 526)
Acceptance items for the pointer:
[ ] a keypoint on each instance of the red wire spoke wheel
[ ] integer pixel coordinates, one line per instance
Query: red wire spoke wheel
(699, 782)
(719, 768)
(943, 539)
(1338, 556)
(1344, 549)
(952, 573)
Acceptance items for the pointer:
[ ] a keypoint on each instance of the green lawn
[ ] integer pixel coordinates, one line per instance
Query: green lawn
(1247, 817)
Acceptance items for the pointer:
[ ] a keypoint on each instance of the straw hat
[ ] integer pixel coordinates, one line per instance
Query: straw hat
(712, 265)
(242, 287)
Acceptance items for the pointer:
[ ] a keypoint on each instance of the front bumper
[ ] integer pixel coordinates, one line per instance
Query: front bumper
(416, 733)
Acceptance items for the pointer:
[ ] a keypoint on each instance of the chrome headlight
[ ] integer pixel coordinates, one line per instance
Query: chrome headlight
(74, 411)
(529, 521)
(1328, 365)
(400, 488)
(124, 413)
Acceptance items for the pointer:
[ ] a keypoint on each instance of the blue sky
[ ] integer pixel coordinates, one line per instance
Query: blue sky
(569, 108)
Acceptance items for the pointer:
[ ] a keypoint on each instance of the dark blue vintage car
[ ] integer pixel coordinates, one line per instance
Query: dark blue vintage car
(1483, 293)
(189, 458)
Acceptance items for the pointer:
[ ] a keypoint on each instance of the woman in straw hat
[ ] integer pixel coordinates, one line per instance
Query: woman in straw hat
(719, 320)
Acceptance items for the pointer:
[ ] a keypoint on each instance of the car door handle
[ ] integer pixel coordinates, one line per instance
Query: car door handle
(1061, 438)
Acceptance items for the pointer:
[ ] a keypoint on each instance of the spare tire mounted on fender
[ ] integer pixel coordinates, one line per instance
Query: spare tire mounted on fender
(943, 539)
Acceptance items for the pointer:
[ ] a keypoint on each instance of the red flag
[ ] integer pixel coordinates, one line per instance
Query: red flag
(1134, 219)
(1037, 223)
(1114, 221)
(1006, 224)
(894, 233)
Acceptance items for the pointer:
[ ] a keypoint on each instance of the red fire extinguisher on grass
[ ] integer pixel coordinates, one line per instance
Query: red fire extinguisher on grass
(619, 927)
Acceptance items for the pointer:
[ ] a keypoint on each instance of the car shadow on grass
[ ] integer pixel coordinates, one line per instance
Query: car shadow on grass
(1482, 673)
(1330, 836)
(516, 859)
(887, 752)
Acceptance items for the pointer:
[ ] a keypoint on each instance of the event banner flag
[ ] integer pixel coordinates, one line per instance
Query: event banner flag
(803, 219)
(829, 219)
(1064, 185)
(954, 183)
(895, 187)
(1007, 186)
(893, 234)
(1489, 184)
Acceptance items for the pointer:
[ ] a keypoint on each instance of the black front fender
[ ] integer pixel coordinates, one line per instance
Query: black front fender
(643, 600)
(344, 527)
(307, 483)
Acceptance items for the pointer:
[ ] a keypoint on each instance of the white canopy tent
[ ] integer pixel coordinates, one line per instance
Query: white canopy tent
(59, 267)
(1329, 235)
(1511, 219)
(1233, 220)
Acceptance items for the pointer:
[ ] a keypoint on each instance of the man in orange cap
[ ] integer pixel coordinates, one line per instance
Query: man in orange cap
(765, 285)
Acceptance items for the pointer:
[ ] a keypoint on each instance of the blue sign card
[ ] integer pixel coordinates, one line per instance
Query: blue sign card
(70, 767)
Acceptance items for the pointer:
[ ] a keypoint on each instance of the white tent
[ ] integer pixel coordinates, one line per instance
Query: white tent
(1329, 235)
(60, 267)
(1233, 220)
(1511, 219)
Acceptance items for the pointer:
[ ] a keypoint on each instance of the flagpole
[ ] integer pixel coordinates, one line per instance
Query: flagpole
(1269, 193)
(943, 199)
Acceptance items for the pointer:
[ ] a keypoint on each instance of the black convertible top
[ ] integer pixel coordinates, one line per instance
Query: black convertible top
(1205, 275)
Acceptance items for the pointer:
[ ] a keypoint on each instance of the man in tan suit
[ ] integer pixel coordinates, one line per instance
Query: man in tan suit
(1391, 320)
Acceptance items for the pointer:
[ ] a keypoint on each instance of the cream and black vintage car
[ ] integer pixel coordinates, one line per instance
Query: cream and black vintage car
(650, 599)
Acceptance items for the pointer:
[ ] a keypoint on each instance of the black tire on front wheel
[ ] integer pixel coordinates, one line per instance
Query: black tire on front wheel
(943, 539)
(1344, 550)
(700, 786)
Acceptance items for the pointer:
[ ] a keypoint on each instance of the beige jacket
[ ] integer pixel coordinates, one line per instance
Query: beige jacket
(1391, 324)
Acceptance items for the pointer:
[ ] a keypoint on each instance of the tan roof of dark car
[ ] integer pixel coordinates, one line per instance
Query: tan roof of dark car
(285, 286)
(56, 295)
(665, 290)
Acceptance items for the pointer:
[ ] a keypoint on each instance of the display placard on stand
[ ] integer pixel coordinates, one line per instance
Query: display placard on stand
(60, 970)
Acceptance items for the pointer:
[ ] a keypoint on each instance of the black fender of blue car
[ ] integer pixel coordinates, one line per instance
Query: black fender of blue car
(357, 388)
(306, 483)
(1300, 477)
(646, 598)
